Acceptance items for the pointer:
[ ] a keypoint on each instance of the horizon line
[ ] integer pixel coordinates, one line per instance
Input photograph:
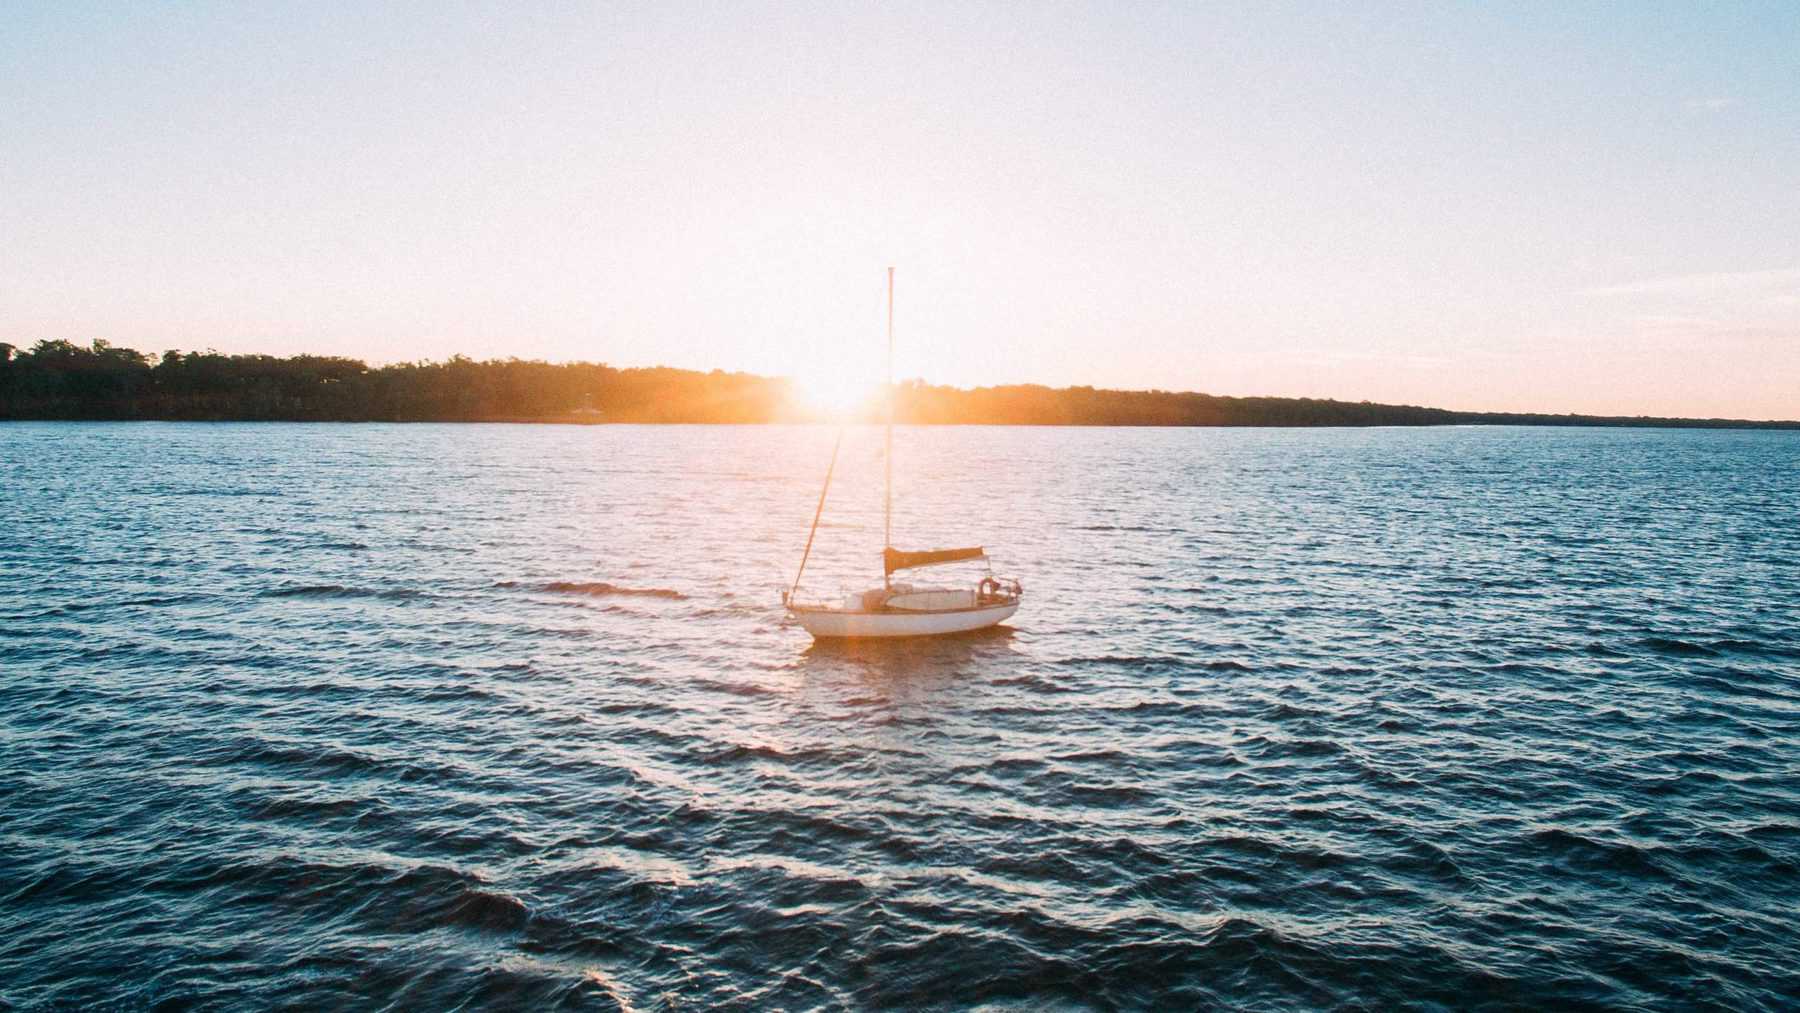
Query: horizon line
(371, 365)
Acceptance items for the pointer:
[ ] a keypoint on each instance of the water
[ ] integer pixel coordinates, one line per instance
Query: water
(436, 716)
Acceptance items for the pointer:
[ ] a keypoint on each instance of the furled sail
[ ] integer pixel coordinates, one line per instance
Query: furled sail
(894, 559)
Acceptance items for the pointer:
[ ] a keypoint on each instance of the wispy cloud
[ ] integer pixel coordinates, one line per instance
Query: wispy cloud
(1708, 104)
(1749, 317)
(1776, 282)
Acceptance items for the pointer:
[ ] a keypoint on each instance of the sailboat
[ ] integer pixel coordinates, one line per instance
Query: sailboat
(899, 609)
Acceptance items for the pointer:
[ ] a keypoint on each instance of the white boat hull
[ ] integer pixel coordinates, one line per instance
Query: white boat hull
(825, 623)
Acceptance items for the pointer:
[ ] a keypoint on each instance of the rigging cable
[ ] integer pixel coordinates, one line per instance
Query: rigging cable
(835, 444)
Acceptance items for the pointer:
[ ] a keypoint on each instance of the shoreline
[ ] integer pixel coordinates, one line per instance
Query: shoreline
(1577, 422)
(61, 381)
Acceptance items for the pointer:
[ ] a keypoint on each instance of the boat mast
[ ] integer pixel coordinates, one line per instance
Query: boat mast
(887, 505)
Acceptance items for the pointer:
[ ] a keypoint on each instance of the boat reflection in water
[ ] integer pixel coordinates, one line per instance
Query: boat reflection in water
(880, 661)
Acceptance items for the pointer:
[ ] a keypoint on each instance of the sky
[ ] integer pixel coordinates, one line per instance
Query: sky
(1554, 207)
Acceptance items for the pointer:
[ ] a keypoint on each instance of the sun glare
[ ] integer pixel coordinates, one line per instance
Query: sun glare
(834, 395)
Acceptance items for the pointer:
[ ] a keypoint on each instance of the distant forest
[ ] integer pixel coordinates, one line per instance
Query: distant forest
(61, 380)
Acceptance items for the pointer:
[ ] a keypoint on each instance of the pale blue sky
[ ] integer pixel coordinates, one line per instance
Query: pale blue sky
(1557, 207)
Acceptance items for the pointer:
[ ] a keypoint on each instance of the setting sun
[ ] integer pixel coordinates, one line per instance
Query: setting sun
(834, 394)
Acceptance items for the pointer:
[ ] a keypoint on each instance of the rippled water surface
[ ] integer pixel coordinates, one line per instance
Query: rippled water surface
(441, 715)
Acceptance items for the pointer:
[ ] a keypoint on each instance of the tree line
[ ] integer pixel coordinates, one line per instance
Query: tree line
(62, 380)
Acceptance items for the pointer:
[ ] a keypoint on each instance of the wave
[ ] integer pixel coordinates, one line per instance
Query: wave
(743, 753)
(729, 610)
(343, 591)
(1582, 852)
(598, 589)
(1108, 795)
(1670, 645)
(1756, 648)
(151, 601)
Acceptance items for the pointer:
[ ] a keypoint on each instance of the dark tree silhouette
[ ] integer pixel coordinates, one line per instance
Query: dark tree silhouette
(62, 380)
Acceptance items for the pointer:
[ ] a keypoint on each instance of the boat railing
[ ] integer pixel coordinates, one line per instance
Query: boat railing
(998, 590)
(990, 591)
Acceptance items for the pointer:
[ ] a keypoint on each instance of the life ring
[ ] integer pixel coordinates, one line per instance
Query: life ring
(990, 588)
